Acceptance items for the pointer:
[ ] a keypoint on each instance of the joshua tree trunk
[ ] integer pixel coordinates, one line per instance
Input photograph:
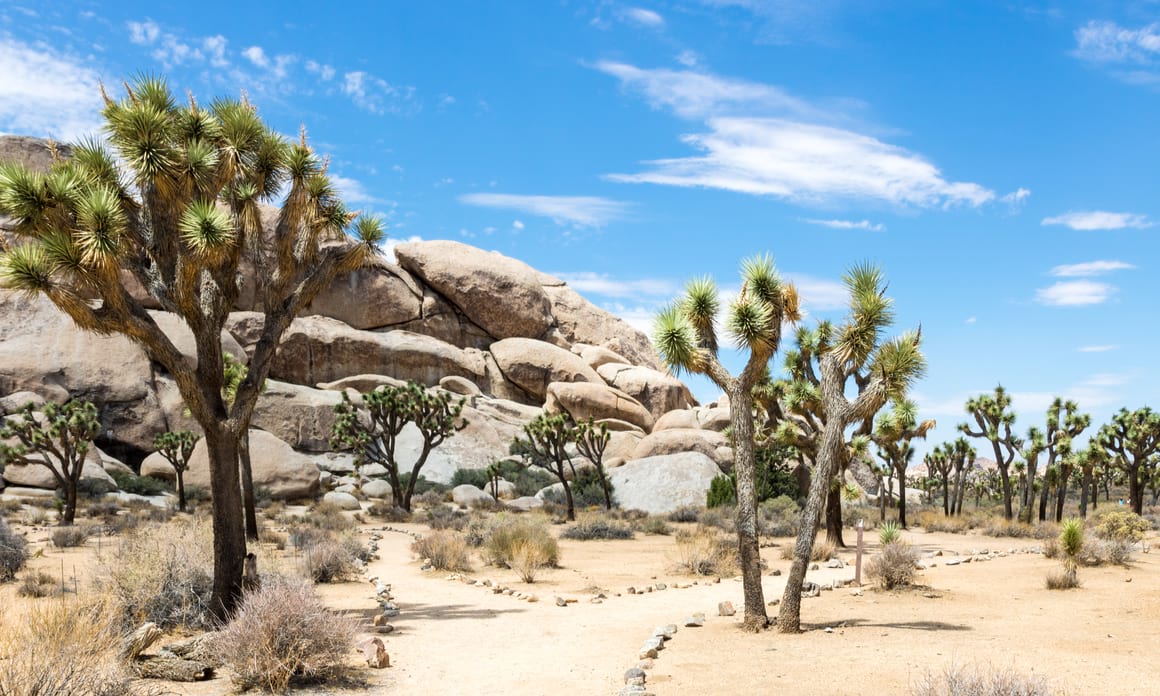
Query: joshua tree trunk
(1136, 491)
(1043, 495)
(1061, 492)
(883, 494)
(69, 513)
(229, 538)
(946, 495)
(248, 499)
(834, 516)
(747, 543)
(902, 498)
(1006, 479)
(1087, 485)
(181, 490)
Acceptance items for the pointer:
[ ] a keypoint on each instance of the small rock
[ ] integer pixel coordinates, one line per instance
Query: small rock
(694, 622)
(375, 653)
(635, 675)
(661, 586)
(1127, 579)
(561, 602)
(631, 590)
(776, 573)
(726, 609)
(953, 562)
(814, 567)
(856, 593)
(384, 629)
(773, 602)
(835, 563)
(648, 653)
(966, 560)
(668, 631)
(829, 630)
(645, 664)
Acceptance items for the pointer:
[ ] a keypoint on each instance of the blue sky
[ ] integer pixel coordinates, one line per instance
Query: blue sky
(998, 159)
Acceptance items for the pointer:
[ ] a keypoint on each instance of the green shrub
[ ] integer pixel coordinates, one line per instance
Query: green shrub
(471, 477)
(889, 532)
(1121, 525)
(142, 485)
(894, 566)
(443, 549)
(93, 488)
(587, 490)
(527, 480)
(590, 527)
(13, 552)
(422, 485)
(721, 492)
(507, 532)
(778, 517)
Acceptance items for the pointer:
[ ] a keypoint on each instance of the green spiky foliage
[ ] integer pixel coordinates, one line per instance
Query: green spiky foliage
(1033, 446)
(545, 444)
(852, 357)
(1131, 441)
(177, 448)
(1064, 424)
(165, 214)
(1090, 463)
(994, 420)
(687, 337)
(55, 436)
(372, 428)
(950, 459)
(1070, 546)
(591, 440)
(893, 433)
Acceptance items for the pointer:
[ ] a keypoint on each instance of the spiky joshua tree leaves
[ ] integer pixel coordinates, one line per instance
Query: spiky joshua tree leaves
(172, 209)
(372, 429)
(177, 448)
(685, 335)
(1130, 441)
(545, 444)
(893, 432)
(57, 438)
(882, 370)
(994, 420)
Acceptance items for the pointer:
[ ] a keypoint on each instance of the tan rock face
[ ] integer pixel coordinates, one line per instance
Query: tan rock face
(39, 476)
(370, 298)
(583, 400)
(657, 391)
(474, 280)
(583, 322)
(661, 484)
(301, 416)
(707, 442)
(533, 365)
(179, 333)
(287, 474)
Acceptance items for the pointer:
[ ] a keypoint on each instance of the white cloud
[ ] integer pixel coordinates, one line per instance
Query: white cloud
(1075, 293)
(1016, 197)
(388, 247)
(820, 294)
(580, 211)
(1099, 220)
(215, 50)
(971, 320)
(518, 224)
(47, 94)
(325, 72)
(375, 94)
(1098, 349)
(1108, 42)
(807, 163)
(602, 284)
(688, 58)
(641, 16)
(847, 224)
(1090, 268)
(352, 190)
(1096, 391)
(144, 33)
(257, 56)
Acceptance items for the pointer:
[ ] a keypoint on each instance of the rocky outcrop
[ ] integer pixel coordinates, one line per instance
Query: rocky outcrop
(371, 298)
(298, 415)
(580, 321)
(533, 365)
(659, 485)
(583, 400)
(706, 442)
(657, 391)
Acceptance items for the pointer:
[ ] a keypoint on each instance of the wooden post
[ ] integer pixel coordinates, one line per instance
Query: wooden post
(858, 561)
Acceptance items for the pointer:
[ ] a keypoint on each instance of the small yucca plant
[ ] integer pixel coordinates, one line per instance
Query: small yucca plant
(889, 532)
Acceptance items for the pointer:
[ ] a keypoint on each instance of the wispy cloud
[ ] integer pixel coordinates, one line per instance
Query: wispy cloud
(847, 224)
(602, 284)
(375, 94)
(579, 211)
(642, 17)
(971, 320)
(820, 294)
(1075, 293)
(1090, 268)
(1131, 55)
(1017, 197)
(388, 247)
(353, 191)
(1098, 349)
(46, 93)
(1099, 220)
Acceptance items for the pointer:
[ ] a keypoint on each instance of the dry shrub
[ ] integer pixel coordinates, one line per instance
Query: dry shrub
(330, 517)
(820, 551)
(957, 680)
(446, 517)
(704, 551)
(655, 525)
(596, 526)
(36, 584)
(388, 512)
(528, 557)
(894, 566)
(34, 517)
(685, 513)
(506, 532)
(1099, 552)
(65, 648)
(282, 632)
(933, 521)
(778, 517)
(273, 537)
(70, 537)
(162, 573)
(722, 517)
(444, 549)
(1061, 580)
(13, 552)
(330, 559)
(999, 527)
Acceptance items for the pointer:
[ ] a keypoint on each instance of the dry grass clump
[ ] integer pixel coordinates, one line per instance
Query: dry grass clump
(388, 512)
(329, 557)
(704, 551)
(820, 551)
(37, 584)
(933, 521)
(444, 549)
(778, 517)
(507, 533)
(597, 526)
(283, 632)
(65, 648)
(163, 574)
(446, 517)
(999, 527)
(70, 537)
(1061, 580)
(528, 557)
(1099, 552)
(895, 566)
(685, 513)
(13, 552)
(722, 517)
(655, 525)
(330, 517)
(956, 680)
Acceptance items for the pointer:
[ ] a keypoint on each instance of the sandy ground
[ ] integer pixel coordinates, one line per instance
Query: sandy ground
(455, 638)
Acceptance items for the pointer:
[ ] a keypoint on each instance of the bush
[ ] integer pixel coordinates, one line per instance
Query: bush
(1121, 525)
(39, 584)
(428, 499)
(981, 681)
(656, 526)
(102, 508)
(422, 485)
(142, 485)
(446, 517)
(820, 551)
(722, 518)
(889, 532)
(13, 552)
(895, 566)
(329, 559)
(933, 521)
(274, 538)
(685, 513)
(507, 533)
(778, 517)
(1061, 580)
(587, 490)
(282, 632)
(389, 512)
(721, 492)
(444, 549)
(330, 517)
(999, 527)
(590, 527)
(161, 574)
(527, 480)
(705, 552)
(69, 537)
(528, 557)
(1098, 552)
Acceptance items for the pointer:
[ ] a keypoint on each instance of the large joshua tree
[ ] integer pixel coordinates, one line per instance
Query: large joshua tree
(994, 420)
(1131, 440)
(686, 337)
(882, 371)
(173, 206)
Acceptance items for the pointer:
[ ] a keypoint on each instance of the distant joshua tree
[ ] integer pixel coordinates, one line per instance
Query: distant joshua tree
(1130, 441)
(893, 433)
(994, 421)
(177, 448)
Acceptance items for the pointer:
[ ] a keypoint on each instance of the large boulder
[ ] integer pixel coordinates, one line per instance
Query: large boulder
(707, 442)
(659, 485)
(179, 333)
(39, 476)
(299, 415)
(580, 321)
(35, 153)
(501, 295)
(583, 400)
(657, 391)
(317, 349)
(286, 474)
(468, 495)
(533, 365)
(484, 441)
(370, 298)
(685, 418)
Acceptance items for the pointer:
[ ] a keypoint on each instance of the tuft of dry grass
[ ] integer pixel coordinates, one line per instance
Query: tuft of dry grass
(444, 549)
(506, 532)
(957, 680)
(528, 557)
(37, 584)
(704, 551)
(1061, 580)
(820, 551)
(934, 521)
(70, 537)
(283, 632)
(13, 552)
(894, 566)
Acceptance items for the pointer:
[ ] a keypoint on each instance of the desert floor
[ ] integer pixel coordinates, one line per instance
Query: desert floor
(457, 638)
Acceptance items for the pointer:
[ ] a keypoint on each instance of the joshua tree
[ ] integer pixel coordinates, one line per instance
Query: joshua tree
(372, 429)
(1033, 446)
(591, 440)
(686, 338)
(893, 433)
(546, 444)
(994, 419)
(1060, 434)
(883, 371)
(177, 448)
(170, 213)
(1087, 461)
(1131, 440)
(57, 438)
(939, 465)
